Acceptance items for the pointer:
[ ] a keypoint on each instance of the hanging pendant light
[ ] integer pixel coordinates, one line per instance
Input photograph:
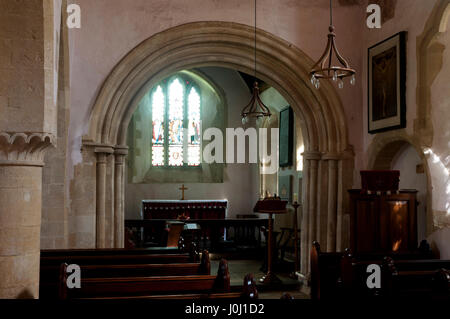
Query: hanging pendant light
(255, 108)
(324, 69)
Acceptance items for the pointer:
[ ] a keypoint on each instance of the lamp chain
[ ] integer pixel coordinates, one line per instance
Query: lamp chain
(331, 13)
(255, 40)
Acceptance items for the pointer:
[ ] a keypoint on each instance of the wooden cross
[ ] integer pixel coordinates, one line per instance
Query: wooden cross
(182, 189)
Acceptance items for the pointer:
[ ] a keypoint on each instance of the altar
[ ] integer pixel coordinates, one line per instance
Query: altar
(184, 209)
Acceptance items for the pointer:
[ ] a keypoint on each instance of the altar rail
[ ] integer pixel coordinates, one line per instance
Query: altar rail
(239, 233)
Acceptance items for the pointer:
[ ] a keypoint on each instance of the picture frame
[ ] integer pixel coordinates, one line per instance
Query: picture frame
(387, 84)
(286, 137)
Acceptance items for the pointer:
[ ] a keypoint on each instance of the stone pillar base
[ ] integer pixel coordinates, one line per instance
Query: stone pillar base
(20, 226)
(21, 161)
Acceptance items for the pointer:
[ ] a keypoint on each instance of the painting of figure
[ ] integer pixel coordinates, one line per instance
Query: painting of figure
(384, 79)
(386, 84)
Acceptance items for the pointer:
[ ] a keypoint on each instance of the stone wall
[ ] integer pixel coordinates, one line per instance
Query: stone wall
(427, 101)
(82, 217)
(55, 207)
(107, 35)
(214, 114)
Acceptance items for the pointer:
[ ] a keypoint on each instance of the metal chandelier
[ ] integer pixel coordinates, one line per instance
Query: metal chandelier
(324, 69)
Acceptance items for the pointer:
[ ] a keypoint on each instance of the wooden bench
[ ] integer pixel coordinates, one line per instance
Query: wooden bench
(118, 256)
(324, 273)
(326, 281)
(158, 287)
(50, 274)
(110, 251)
(410, 278)
(398, 277)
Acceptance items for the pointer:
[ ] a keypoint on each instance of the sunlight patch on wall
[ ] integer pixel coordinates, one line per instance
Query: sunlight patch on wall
(442, 170)
(300, 151)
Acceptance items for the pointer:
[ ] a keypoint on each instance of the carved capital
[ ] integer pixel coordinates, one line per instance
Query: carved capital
(331, 156)
(24, 149)
(312, 155)
(121, 150)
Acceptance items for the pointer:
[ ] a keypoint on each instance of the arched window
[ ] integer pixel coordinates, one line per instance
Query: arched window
(175, 109)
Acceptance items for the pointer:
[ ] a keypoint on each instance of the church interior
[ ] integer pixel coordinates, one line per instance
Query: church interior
(204, 149)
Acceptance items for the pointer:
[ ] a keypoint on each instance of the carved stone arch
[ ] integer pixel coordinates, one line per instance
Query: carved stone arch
(445, 20)
(280, 64)
(218, 44)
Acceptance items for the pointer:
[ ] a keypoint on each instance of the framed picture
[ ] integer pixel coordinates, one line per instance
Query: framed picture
(386, 84)
(286, 138)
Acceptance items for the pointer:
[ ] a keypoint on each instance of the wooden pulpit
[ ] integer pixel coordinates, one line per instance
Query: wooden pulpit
(382, 218)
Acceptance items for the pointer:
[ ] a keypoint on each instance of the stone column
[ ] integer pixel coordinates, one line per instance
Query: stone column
(304, 248)
(332, 201)
(102, 153)
(119, 197)
(322, 203)
(345, 173)
(110, 202)
(21, 162)
(312, 158)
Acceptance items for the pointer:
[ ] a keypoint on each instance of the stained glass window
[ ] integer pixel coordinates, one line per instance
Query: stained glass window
(158, 110)
(176, 139)
(194, 128)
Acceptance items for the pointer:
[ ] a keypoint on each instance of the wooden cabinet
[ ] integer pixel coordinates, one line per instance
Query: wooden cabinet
(383, 222)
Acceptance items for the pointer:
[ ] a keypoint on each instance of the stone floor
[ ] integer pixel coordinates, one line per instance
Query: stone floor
(239, 268)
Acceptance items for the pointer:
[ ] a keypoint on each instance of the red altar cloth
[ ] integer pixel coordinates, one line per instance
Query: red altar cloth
(194, 209)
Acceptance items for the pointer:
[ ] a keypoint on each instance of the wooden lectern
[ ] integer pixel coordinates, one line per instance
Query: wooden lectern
(270, 205)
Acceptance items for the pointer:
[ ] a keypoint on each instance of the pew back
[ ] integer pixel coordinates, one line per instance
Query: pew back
(110, 251)
(157, 287)
(141, 286)
(117, 259)
(398, 278)
(50, 271)
(326, 269)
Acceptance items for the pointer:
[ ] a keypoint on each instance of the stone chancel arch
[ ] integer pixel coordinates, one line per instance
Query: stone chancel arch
(328, 159)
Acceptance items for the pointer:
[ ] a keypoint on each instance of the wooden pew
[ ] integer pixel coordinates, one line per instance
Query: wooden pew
(325, 272)
(442, 281)
(117, 256)
(326, 281)
(411, 278)
(399, 277)
(158, 287)
(50, 274)
(118, 259)
(110, 251)
(248, 292)
(353, 275)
